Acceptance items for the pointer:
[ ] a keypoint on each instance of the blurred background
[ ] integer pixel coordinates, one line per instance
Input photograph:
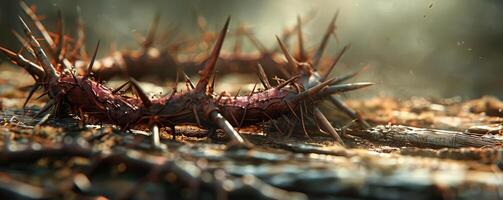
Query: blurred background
(414, 48)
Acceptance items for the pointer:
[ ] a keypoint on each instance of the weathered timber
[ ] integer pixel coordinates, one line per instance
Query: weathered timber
(398, 135)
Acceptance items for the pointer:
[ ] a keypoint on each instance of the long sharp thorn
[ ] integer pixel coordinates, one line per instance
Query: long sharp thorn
(324, 41)
(219, 97)
(289, 57)
(19, 60)
(46, 107)
(336, 60)
(57, 107)
(243, 117)
(44, 119)
(237, 93)
(253, 90)
(41, 28)
(226, 127)
(263, 77)
(12, 56)
(344, 88)
(45, 34)
(292, 110)
(73, 76)
(314, 90)
(325, 124)
(140, 92)
(303, 123)
(91, 63)
(24, 43)
(185, 77)
(149, 41)
(349, 76)
(234, 119)
(120, 87)
(187, 80)
(32, 91)
(210, 64)
(39, 52)
(291, 31)
(302, 52)
(288, 81)
(350, 112)
(42, 95)
(194, 111)
(166, 103)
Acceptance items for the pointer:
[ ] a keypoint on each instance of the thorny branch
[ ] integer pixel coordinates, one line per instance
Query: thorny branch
(386, 162)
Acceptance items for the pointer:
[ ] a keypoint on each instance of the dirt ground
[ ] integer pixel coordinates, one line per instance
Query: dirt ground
(418, 148)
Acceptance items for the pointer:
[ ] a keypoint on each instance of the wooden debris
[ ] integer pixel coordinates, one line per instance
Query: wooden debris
(398, 135)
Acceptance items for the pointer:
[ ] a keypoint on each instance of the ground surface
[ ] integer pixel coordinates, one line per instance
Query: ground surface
(418, 149)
